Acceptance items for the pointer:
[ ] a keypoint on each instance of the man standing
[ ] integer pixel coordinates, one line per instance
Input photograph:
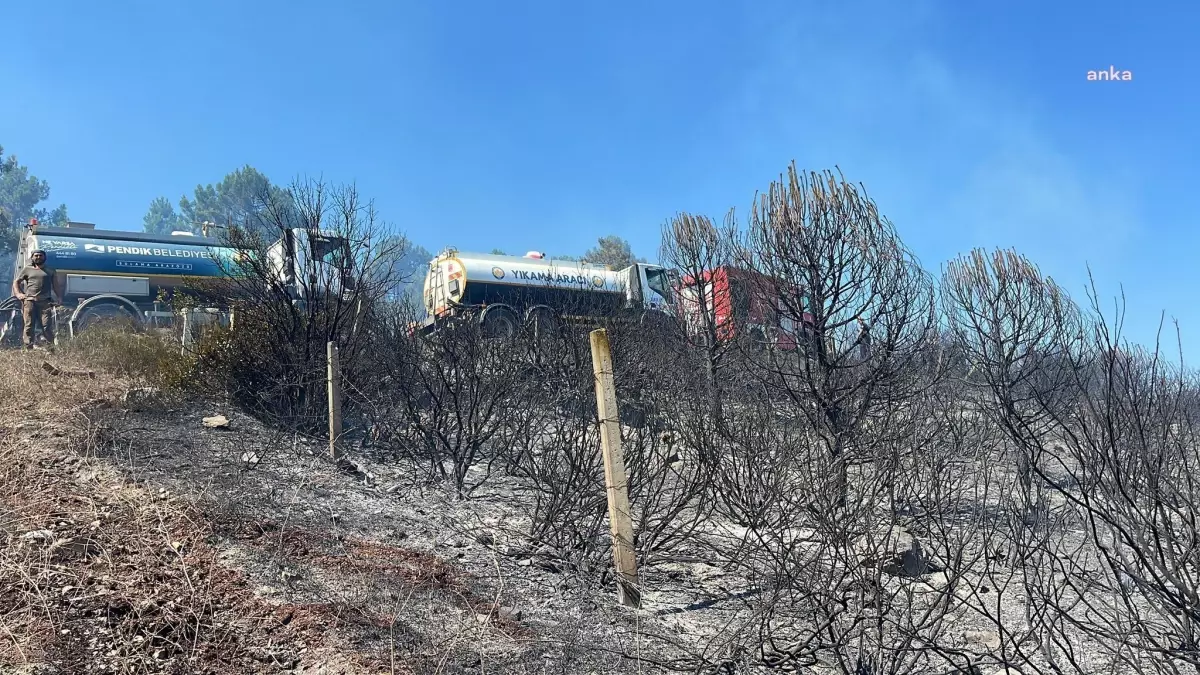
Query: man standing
(33, 287)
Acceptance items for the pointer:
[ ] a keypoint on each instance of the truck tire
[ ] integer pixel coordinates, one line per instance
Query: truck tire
(101, 314)
(542, 322)
(499, 323)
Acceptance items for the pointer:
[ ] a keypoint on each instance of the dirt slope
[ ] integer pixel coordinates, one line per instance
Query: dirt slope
(133, 538)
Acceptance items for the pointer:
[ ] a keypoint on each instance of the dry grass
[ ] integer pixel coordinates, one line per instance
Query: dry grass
(101, 574)
(131, 353)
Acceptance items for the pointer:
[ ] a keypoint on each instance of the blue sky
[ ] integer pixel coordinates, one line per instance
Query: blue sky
(543, 125)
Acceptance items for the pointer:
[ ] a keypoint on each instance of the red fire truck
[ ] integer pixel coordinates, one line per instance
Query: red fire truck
(742, 303)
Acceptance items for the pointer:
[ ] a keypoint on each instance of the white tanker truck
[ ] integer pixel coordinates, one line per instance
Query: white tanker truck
(505, 292)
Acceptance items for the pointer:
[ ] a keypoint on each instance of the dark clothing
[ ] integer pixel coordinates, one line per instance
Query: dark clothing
(38, 281)
(42, 312)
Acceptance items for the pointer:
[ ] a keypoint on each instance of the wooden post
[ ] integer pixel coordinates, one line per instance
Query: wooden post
(620, 523)
(333, 380)
(186, 337)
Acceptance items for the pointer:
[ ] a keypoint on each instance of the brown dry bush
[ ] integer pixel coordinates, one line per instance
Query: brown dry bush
(126, 350)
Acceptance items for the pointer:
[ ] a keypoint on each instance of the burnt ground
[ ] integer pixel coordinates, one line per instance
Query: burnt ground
(133, 538)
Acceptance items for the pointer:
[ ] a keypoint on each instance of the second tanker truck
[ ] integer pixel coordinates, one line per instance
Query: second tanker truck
(503, 293)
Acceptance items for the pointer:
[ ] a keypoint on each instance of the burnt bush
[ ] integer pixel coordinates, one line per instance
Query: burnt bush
(442, 399)
(273, 363)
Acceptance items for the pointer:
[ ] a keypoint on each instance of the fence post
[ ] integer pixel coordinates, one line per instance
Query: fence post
(333, 382)
(186, 336)
(620, 523)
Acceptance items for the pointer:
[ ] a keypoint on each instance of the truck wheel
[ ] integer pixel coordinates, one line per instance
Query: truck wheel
(500, 323)
(101, 314)
(542, 322)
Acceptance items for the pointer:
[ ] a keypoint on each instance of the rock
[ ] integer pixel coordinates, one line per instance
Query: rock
(938, 580)
(46, 366)
(986, 638)
(216, 422)
(141, 395)
(525, 562)
(355, 469)
(250, 458)
(502, 613)
(71, 548)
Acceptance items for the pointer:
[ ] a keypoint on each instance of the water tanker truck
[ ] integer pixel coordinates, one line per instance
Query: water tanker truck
(504, 292)
(112, 273)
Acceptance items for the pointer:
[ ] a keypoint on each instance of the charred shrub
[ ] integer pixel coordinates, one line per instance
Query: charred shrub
(440, 399)
(315, 266)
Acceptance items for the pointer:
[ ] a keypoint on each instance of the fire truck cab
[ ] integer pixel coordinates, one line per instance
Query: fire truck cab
(741, 303)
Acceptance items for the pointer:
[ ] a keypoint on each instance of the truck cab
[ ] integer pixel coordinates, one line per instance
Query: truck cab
(649, 287)
(309, 260)
(735, 302)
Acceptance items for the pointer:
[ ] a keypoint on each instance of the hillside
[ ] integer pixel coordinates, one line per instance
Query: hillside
(136, 537)
(149, 531)
(970, 475)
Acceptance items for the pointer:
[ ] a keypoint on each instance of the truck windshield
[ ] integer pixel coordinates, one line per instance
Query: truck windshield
(331, 250)
(659, 282)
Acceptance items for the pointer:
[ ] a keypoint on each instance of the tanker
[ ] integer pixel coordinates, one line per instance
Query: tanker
(501, 292)
(163, 261)
(113, 273)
